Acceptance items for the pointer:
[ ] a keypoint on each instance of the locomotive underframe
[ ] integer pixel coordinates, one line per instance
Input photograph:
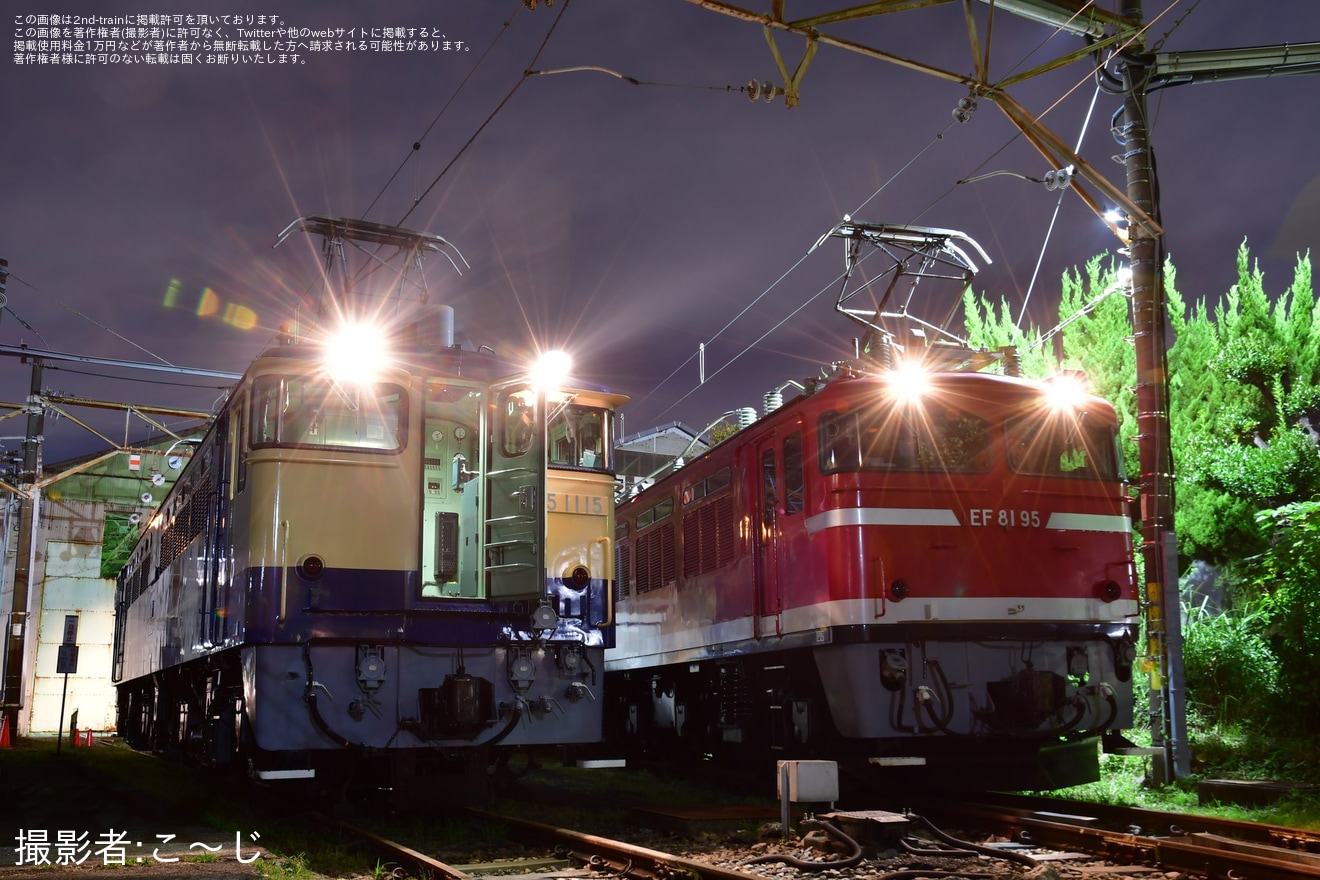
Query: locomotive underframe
(914, 702)
(339, 712)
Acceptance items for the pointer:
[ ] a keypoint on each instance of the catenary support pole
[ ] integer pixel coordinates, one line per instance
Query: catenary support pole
(1150, 322)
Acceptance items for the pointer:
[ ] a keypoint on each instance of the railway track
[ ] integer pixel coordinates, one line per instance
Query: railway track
(1218, 848)
(1027, 842)
(552, 853)
(716, 832)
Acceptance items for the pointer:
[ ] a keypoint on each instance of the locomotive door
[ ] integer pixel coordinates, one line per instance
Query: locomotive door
(769, 600)
(513, 531)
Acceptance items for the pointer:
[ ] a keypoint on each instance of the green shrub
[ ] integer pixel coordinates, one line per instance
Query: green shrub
(1230, 672)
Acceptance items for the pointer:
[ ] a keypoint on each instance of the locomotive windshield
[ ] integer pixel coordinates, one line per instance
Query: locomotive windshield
(1066, 446)
(317, 411)
(579, 438)
(934, 438)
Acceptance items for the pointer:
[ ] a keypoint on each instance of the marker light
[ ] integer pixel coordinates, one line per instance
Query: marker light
(356, 352)
(551, 369)
(311, 567)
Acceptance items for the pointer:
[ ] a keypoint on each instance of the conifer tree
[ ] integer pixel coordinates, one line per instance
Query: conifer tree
(1246, 442)
(1096, 315)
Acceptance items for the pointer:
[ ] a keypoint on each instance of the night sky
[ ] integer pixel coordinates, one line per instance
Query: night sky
(627, 223)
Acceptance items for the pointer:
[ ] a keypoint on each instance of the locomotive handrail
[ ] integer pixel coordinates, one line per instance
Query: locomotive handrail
(513, 517)
(609, 592)
(505, 471)
(284, 570)
(505, 566)
(497, 544)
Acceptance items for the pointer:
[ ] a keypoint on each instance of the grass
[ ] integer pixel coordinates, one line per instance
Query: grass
(294, 850)
(1217, 753)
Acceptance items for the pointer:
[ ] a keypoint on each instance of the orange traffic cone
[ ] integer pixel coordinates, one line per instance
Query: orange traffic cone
(4, 733)
(87, 737)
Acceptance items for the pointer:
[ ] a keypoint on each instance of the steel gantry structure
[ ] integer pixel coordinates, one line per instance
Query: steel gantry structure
(1114, 43)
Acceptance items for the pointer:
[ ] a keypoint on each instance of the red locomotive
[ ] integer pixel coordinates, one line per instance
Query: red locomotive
(928, 573)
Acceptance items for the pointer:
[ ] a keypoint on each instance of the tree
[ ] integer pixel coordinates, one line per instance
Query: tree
(1286, 579)
(1094, 336)
(989, 329)
(1243, 398)
(1096, 317)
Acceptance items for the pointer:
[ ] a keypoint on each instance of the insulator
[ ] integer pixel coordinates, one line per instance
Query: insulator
(1058, 178)
(883, 353)
(746, 417)
(1012, 361)
(772, 401)
(963, 112)
(757, 90)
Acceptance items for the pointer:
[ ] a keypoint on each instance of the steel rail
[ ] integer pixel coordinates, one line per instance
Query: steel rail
(1214, 855)
(422, 864)
(1158, 822)
(638, 859)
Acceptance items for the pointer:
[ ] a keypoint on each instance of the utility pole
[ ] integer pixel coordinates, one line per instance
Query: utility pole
(19, 619)
(1161, 603)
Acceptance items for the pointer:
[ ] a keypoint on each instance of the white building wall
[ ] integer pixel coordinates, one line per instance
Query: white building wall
(72, 585)
(66, 580)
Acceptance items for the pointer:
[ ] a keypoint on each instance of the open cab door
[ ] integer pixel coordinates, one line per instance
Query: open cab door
(513, 528)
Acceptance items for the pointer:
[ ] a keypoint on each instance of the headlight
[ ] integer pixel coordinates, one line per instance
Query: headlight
(356, 352)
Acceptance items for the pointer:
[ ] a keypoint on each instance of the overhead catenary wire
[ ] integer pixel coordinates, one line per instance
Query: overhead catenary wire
(86, 318)
(939, 136)
(417, 144)
(632, 80)
(1099, 66)
(498, 107)
(1058, 203)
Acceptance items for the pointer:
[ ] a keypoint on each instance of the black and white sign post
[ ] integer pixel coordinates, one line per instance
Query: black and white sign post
(67, 663)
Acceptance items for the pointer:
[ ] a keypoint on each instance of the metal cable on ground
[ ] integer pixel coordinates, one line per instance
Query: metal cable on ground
(854, 856)
(914, 850)
(995, 852)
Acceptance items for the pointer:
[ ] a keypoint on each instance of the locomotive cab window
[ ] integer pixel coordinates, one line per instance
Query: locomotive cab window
(1063, 446)
(319, 412)
(579, 438)
(518, 422)
(934, 438)
(794, 484)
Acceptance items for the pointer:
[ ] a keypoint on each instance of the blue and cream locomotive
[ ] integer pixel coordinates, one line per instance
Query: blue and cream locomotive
(376, 574)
